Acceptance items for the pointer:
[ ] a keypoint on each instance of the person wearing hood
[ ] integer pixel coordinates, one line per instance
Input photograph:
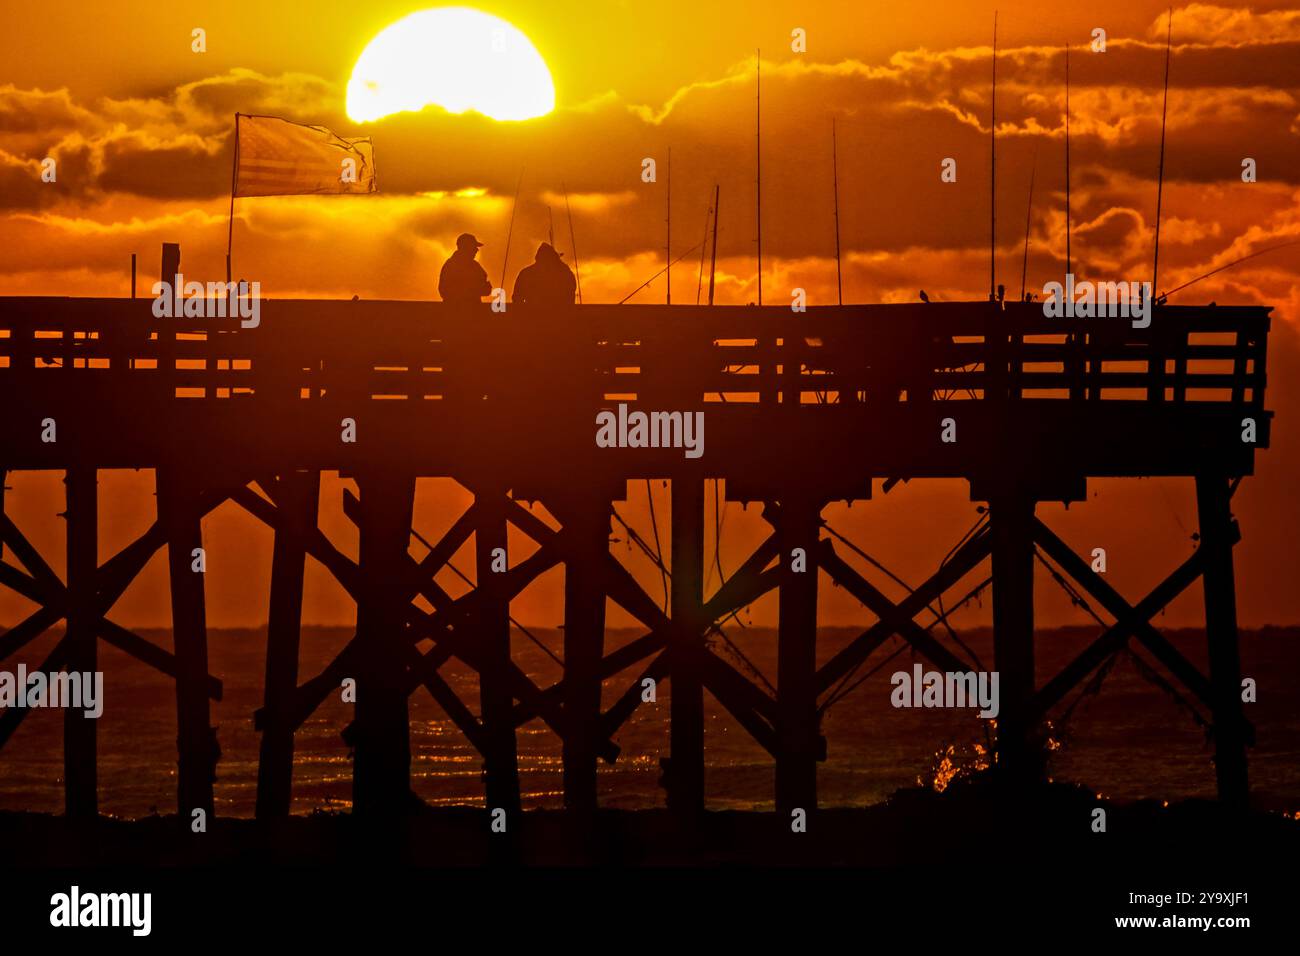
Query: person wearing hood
(548, 281)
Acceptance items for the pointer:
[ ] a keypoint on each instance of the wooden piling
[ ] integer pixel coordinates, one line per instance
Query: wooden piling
(381, 780)
(796, 681)
(80, 784)
(297, 499)
(1011, 518)
(588, 524)
(685, 775)
(196, 743)
(166, 346)
(501, 756)
(1213, 505)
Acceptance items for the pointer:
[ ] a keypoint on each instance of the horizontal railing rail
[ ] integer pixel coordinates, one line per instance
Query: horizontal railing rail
(316, 350)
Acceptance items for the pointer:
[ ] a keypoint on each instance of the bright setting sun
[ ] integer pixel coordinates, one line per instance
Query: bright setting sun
(454, 57)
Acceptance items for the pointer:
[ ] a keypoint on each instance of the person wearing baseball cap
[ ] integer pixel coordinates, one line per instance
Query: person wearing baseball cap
(462, 279)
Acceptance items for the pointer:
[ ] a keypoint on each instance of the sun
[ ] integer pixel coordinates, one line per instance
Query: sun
(454, 57)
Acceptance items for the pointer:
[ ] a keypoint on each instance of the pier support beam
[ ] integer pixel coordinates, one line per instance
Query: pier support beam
(500, 756)
(381, 778)
(587, 524)
(1215, 516)
(297, 495)
(685, 771)
(1011, 519)
(798, 739)
(80, 744)
(179, 511)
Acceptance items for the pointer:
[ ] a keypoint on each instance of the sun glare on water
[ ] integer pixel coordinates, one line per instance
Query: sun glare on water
(454, 57)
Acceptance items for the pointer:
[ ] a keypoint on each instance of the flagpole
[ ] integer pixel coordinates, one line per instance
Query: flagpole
(230, 222)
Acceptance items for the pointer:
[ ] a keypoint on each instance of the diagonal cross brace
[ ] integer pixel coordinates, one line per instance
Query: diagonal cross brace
(1115, 637)
(420, 624)
(111, 579)
(753, 708)
(875, 601)
(1110, 599)
(894, 619)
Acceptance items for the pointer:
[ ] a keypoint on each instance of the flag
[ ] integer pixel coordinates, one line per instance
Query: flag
(274, 157)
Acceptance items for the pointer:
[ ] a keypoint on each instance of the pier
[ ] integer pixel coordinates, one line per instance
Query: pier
(800, 409)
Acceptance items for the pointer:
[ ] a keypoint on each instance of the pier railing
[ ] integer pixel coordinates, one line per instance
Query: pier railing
(426, 369)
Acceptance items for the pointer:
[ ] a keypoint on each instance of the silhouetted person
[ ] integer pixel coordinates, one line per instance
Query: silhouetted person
(548, 281)
(462, 279)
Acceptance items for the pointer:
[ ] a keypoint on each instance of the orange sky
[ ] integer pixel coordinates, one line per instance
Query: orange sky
(140, 126)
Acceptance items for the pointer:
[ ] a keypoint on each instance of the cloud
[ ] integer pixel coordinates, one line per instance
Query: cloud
(1209, 23)
(26, 111)
(1233, 95)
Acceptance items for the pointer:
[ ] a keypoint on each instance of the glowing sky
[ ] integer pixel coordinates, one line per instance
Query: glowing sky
(454, 57)
(140, 126)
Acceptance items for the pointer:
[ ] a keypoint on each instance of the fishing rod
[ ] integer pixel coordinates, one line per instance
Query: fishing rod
(758, 163)
(713, 256)
(704, 248)
(668, 239)
(993, 167)
(1160, 181)
(1024, 264)
(577, 273)
(658, 274)
(1229, 265)
(505, 259)
(1069, 263)
(835, 187)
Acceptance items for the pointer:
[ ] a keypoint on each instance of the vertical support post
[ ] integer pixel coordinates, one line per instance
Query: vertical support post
(996, 369)
(1180, 366)
(1159, 340)
(1215, 516)
(196, 740)
(1011, 519)
(381, 779)
(501, 756)
(80, 744)
(1095, 366)
(171, 267)
(797, 734)
(685, 770)
(587, 524)
(297, 499)
(1075, 365)
(1242, 343)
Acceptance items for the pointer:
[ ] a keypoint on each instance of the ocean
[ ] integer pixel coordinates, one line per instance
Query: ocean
(1132, 739)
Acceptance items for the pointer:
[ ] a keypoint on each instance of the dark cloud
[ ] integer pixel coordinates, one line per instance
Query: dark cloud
(27, 111)
(190, 168)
